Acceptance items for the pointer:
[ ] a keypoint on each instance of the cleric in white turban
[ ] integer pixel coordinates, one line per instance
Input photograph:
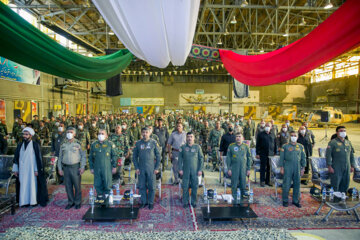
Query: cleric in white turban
(29, 130)
(30, 182)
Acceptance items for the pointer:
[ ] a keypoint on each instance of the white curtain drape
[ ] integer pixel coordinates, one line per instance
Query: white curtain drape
(157, 31)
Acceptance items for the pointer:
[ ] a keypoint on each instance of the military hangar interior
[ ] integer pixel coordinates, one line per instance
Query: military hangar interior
(222, 76)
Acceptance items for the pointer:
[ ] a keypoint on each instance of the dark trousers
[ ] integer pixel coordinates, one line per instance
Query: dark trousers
(307, 168)
(72, 180)
(163, 157)
(264, 169)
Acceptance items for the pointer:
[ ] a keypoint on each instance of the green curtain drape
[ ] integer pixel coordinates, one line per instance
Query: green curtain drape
(23, 43)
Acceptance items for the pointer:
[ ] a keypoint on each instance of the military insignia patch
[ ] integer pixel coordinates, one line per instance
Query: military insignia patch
(148, 146)
(234, 156)
(338, 149)
(339, 144)
(187, 149)
(97, 146)
(290, 149)
(104, 146)
(193, 150)
(142, 146)
(236, 149)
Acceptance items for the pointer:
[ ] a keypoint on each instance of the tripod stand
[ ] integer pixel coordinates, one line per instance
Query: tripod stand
(325, 138)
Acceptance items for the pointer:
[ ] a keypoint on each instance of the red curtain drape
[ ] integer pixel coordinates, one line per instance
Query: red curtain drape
(339, 33)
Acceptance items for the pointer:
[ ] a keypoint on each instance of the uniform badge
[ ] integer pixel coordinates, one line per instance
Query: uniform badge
(290, 149)
(104, 146)
(339, 144)
(97, 146)
(193, 150)
(338, 149)
(236, 149)
(107, 154)
(148, 146)
(142, 146)
(187, 149)
(234, 156)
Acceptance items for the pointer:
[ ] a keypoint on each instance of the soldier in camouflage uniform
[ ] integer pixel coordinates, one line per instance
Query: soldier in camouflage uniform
(3, 138)
(121, 142)
(214, 143)
(43, 133)
(83, 136)
(93, 131)
(35, 123)
(204, 136)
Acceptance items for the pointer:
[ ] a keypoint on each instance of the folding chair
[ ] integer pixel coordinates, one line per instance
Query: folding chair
(276, 176)
(356, 176)
(256, 162)
(320, 172)
(7, 178)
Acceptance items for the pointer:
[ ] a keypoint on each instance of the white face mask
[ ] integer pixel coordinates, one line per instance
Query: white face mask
(123, 126)
(60, 129)
(303, 132)
(57, 124)
(69, 136)
(80, 127)
(342, 134)
(267, 129)
(101, 137)
(262, 124)
(103, 121)
(293, 139)
(284, 129)
(94, 124)
(287, 124)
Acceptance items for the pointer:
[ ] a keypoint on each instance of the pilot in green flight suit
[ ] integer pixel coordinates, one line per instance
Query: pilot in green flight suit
(146, 159)
(191, 162)
(238, 161)
(292, 164)
(340, 160)
(102, 162)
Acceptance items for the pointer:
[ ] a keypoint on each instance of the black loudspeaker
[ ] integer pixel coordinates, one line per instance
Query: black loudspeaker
(325, 116)
(113, 85)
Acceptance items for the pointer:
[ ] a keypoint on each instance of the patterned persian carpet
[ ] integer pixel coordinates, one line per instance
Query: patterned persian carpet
(167, 216)
(271, 214)
(170, 216)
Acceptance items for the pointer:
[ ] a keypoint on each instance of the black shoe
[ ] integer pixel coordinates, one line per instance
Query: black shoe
(151, 206)
(143, 205)
(262, 184)
(185, 205)
(176, 183)
(297, 205)
(69, 206)
(285, 204)
(193, 205)
(78, 206)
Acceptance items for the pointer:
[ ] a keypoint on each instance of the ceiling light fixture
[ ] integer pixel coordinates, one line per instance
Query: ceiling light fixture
(244, 3)
(303, 22)
(226, 32)
(286, 34)
(262, 50)
(329, 5)
(220, 42)
(111, 33)
(233, 21)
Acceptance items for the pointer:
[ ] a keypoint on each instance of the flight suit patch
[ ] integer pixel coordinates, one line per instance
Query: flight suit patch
(142, 146)
(339, 144)
(193, 150)
(290, 149)
(104, 146)
(148, 146)
(236, 149)
(338, 149)
(234, 156)
(187, 149)
(97, 146)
